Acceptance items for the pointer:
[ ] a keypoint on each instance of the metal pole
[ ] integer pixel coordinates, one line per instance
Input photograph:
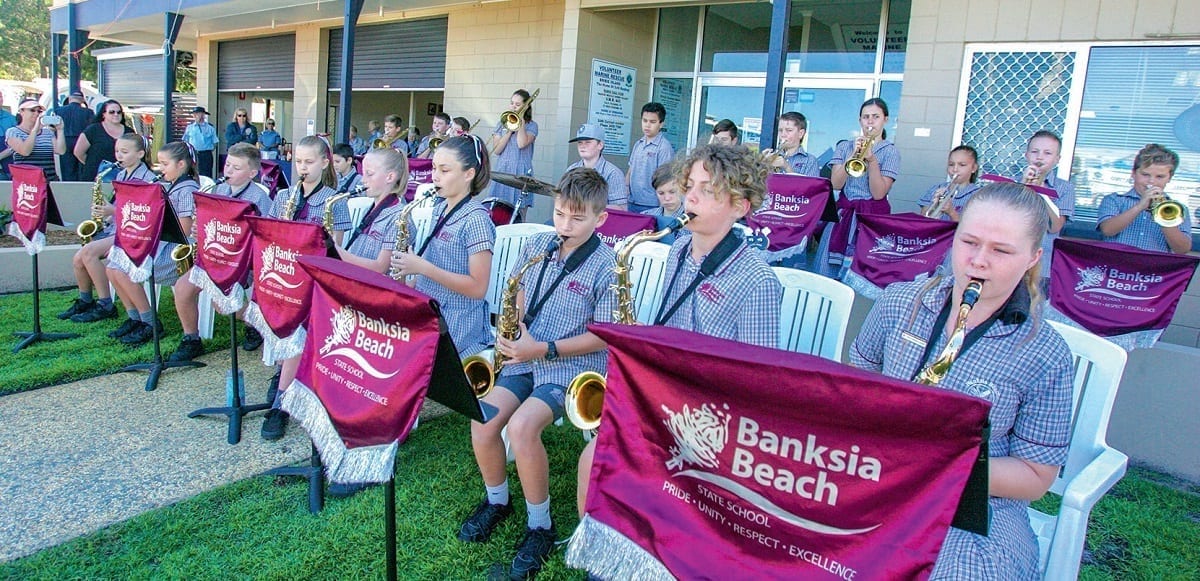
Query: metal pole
(171, 26)
(781, 13)
(75, 40)
(56, 46)
(353, 9)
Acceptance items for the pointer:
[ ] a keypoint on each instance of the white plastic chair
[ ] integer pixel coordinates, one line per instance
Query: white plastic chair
(510, 241)
(813, 314)
(358, 208)
(1092, 467)
(647, 267)
(206, 183)
(207, 314)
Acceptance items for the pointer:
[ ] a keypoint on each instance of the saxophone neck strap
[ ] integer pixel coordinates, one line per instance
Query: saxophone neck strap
(724, 249)
(576, 258)
(437, 228)
(370, 218)
(940, 324)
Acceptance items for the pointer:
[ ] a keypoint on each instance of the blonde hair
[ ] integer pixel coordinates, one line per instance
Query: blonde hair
(732, 169)
(392, 160)
(1024, 202)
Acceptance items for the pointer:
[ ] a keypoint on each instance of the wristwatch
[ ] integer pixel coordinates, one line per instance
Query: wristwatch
(551, 351)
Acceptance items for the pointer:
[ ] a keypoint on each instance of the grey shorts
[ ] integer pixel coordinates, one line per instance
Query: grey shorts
(521, 385)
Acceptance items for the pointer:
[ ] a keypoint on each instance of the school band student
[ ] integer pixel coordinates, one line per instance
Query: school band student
(670, 208)
(439, 129)
(241, 167)
(394, 134)
(866, 194)
(792, 158)
(345, 175)
(962, 169)
(1125, 217)
(177, 163)
(313, 189)
(514, 151)
(1042, 154)
(725, 132)
(649, 153)
(589, 141)
(95, 302)
(723, 185)
(559, 297)
(1012, 359)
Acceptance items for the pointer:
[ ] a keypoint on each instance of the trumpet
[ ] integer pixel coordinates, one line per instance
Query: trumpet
(937, 207)
(856, 166)
(1039, 176)
(513, 120)
(436, 142)
(770, 157)
(88, 228)
(1164, 211)
(585, 395)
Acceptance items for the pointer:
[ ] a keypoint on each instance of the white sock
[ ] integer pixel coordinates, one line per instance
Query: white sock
(538, 515)
(498, 494)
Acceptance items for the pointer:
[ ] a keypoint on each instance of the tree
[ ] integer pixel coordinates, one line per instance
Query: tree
(25, 43)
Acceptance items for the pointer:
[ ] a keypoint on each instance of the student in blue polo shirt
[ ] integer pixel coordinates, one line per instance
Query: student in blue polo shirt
(1125, 217)
(590, 143)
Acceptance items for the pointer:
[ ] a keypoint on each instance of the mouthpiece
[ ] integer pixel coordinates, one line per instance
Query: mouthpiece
(971, 293)
(683, 221)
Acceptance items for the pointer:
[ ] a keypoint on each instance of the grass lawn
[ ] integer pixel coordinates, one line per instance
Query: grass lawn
(94, 353)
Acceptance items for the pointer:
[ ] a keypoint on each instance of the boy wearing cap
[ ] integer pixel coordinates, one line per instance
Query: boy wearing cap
(590, 143)
(203, 137)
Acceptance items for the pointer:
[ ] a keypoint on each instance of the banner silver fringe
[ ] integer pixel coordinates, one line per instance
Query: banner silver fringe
(224, 303)
(861, 285)
(366, 464)
(32, 247)
(119, 260)
(1126, 341)
(608, 554)
(275, 348)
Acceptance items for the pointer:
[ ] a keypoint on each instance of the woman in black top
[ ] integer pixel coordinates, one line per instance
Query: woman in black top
(98, 142)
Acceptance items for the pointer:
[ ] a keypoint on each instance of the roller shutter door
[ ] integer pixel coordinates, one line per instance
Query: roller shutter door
(397, 55)
(267, 63)
(135, 82)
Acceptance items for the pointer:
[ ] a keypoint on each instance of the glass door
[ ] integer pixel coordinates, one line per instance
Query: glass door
(739, 100)
(831, 108)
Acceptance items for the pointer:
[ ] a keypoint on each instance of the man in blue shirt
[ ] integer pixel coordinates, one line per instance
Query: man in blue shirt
(7, 120)
(269, 141)
(203, 137)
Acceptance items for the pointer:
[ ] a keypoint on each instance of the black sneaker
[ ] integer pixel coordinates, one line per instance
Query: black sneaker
(532, 553)
(78, 306)
(126, 328)
(142, 334)
(479, 526)
(188, 350)
(341, 490)
(252, 339)
(97, 312)
(274, 425)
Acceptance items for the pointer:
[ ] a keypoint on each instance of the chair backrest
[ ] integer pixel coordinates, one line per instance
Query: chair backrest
(358, 209)
(813, 314)
(206, 183)
(1099, 365)
(510, 240)
(647, 267)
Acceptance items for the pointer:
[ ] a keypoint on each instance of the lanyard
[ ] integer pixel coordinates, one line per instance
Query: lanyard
(438, 227)
(573, 262)
(714, 259)
(238, 195)
(968, 341)
(369, 219)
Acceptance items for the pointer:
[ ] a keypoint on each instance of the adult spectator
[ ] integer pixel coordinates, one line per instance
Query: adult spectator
(76, 117)
(99, 141)
(240, 130)
(31, 142)
(269, 141)
(7, 121)
(203, 137)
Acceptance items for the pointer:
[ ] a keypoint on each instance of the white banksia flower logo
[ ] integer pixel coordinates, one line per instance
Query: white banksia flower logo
(700, 434)
(342, 328)
(768, 199)
(268, 261)
(126, 212)
(1091, 276)
(210, 230)
(885, 244)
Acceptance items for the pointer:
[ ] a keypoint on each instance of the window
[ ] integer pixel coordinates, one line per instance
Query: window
(837, 37)
(677, 39)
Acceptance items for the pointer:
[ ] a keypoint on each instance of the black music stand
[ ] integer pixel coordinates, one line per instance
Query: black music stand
(170, 232)
(53, 216)
(236, 407)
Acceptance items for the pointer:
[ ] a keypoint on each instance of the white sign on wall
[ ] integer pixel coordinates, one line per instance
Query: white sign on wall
(611, 103)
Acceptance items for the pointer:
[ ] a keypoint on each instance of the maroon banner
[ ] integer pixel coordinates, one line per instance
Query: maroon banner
(366, 367)
(271, 177)
(420, 172)
(823, 470)
(621, 224)
(222, 242)
(139, 219)
(790, 212)
(281, 289)
(29, 192)
(1112, 289)
(897, 247)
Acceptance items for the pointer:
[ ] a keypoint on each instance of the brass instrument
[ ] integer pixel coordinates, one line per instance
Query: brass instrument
(1166, 212)
(402, 244)
(770, 156)
(327, 218)
(482, 372)
(1039, 176)
(936, 371)
(184, 255)
(88, 228)
(936, 208)
(585, 395)
(386, 142)
(289, 209)
(856, 166)
(513, 120)
(435, 142)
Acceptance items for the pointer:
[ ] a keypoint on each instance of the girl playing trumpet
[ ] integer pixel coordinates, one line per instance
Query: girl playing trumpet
(514, 149)
(946, 201)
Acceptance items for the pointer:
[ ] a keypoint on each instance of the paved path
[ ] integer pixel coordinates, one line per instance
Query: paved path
(81, 456)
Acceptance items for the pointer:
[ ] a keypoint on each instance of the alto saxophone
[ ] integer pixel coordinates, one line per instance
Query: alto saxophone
(289, 210)
(482, 373)
(88, 228)
(936, 371)
(585, 395)
(402, 235)
(184, 255)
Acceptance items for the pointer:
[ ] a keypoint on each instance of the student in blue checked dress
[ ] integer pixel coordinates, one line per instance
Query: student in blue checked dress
(385, 173)
(962, 168)
(559, 297)
(454, 264)
(1019, 364)
(1125, 218)
(740, 299)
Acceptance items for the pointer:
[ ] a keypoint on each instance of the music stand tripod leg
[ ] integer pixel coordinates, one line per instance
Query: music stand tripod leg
(30, 337)
(315, 474)
(157, 366)
(238, 407)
